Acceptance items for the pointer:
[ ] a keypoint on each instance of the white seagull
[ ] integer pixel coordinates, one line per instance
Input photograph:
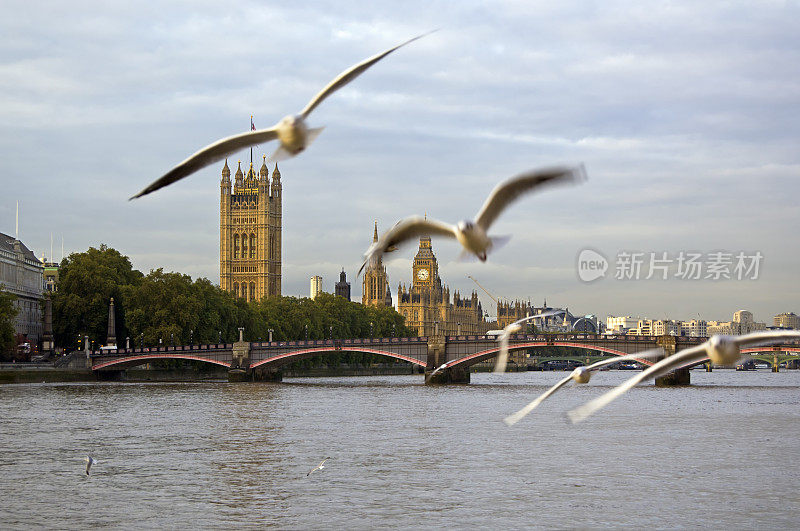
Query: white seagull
(292, 132)
(318, 467)
(89, 462)
(472, 235)
(513, 328)
(720, 349)
(438, 369)
(580, 375)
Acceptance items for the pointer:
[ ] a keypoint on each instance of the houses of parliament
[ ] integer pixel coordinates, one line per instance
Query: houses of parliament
(425, 304)
(250, 232)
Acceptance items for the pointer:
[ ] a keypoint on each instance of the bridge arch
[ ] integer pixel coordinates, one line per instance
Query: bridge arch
(140, 359)
(289, 357)
(484, 355)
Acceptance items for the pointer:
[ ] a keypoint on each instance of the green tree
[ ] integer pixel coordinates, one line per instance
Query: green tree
(8, 310)
(86, 283)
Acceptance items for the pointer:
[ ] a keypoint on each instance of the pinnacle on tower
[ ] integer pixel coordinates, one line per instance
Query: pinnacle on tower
(239, 174)
(375, 234)
(264, 171)
(226, 172)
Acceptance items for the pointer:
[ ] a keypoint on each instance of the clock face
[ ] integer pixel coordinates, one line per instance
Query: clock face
(422, 274)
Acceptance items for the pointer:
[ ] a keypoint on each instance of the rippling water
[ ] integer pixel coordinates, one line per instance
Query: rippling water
(718, 454)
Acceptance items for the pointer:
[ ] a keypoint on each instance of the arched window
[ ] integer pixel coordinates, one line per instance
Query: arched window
(236, 248)
(235, 289)
(252, 246)
(244, 245)
(252, 291)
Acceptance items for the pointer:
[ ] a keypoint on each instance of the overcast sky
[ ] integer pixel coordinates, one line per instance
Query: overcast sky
(686, 115)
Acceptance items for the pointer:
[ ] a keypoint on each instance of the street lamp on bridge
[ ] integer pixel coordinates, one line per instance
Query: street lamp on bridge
(330, 332)
(191, 337)
(270, 334)
(306, 326)
(370, 329)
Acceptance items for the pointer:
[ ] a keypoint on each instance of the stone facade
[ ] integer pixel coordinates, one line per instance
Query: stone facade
(250, 219)
(426, 305)
(375, 290)
(787, 320)
(22, 275)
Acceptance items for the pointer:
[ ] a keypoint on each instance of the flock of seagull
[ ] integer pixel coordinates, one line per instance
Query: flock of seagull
(294, 136)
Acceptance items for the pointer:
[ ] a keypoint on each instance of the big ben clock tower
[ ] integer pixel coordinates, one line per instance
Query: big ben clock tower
(425, 268)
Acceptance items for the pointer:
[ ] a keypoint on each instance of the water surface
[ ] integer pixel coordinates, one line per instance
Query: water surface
(717, 454)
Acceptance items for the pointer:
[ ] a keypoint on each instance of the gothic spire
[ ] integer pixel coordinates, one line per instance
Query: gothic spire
(375, 234)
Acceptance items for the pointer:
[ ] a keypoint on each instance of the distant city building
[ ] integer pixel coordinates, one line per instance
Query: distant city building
(22, 275)
(375, 291)
(666, 327)
(250, 233)
(694, 328)
(343, 286)
(742, 323)
(316, 286)
(787, 320)
(426, 305)
(50, 276)
(620, 325)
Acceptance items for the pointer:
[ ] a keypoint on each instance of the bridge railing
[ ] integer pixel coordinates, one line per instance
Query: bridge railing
(180, 348)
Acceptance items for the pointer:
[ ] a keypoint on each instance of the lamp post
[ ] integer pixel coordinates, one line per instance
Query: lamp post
(330, 330)
(270, 334)
(306, 327)
(370, 329)
(191, 337)
(127, 342)
(219, 337)
(141, 340)
(394, 333)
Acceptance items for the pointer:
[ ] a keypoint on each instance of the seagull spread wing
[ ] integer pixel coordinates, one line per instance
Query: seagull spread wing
(762, 338)
(662, 367)
(404, 230)
(647, 354)
(516, 417)
(350, 74)
(511, 189)
(209, 155)
(502, 356)
(539, 316)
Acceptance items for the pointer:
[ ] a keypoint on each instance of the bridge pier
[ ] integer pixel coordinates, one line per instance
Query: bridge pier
(775, 366)
(676, 377)
(709, 366)
(456, 375)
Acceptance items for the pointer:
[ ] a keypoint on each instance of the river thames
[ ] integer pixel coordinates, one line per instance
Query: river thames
(720, 454)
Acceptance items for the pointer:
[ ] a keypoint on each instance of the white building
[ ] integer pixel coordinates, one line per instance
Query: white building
(787, 320)
(22, 275)
(694, 328)
(316, 286)
(620, 325)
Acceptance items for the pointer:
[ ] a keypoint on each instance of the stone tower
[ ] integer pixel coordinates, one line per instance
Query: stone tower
(250, 216)
(376, 290)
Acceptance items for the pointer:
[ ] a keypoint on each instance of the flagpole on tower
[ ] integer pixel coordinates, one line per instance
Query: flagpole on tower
(252, 128)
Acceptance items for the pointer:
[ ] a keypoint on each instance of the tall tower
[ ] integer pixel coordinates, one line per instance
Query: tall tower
(250, 233)
(376, 290)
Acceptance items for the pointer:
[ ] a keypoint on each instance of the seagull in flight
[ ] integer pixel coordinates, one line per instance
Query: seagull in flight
(580, 375)
(720, 349)
(513, 328)
(89, 462)
(437, 370)
(292, 132)
(318, 467)
(472, 235)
